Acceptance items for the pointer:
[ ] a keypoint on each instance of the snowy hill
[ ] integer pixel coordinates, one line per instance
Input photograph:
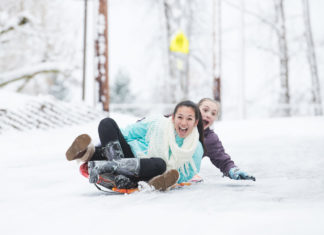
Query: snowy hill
(42, 193)
(23, 112)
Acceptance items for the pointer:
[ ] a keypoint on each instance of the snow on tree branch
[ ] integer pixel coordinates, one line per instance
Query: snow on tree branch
(29, 72)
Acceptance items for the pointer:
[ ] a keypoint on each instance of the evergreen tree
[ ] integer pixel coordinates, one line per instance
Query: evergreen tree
(120, 91)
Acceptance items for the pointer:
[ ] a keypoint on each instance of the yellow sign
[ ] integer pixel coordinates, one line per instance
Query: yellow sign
(180, 43)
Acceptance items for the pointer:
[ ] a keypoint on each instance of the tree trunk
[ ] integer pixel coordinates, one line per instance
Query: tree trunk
(311, 56)
(284, 97)
(177, 14)
(242, 79)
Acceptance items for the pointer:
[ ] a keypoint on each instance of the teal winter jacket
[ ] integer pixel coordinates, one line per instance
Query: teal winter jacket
(135, 135)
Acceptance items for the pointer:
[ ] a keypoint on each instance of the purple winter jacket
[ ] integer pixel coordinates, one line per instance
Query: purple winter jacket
(215, 151)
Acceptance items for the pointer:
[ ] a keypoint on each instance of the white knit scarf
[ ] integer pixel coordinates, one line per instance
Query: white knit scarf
(161, 138)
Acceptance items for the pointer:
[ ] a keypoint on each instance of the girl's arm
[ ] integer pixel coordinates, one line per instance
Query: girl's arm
(217, 154)
(135, 131)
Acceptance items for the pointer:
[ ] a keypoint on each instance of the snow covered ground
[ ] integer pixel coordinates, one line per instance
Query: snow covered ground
(42, 193)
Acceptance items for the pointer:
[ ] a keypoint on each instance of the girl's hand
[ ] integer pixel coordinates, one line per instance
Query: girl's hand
(237, 174)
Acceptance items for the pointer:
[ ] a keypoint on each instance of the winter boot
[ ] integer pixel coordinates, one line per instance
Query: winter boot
(113, 151)
(126, 166)
(164, 181)
(107, 181)
(122, 181)
(119, 181)
(81, 148)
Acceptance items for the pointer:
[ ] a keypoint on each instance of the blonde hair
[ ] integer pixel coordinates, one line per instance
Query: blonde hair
(210, 99)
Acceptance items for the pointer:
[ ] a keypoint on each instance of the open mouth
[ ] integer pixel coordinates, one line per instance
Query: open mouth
(205, 123)
(183, 131)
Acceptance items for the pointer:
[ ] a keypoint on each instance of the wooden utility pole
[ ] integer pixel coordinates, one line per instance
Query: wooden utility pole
(84, 49)
(101, 46)
(217, 53)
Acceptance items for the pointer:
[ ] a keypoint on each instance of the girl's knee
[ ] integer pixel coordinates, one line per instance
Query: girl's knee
(160, 165)
(107, 123)
(150, 167)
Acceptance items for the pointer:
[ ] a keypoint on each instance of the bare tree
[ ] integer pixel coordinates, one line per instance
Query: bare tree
(177, 15)
(284, 96)
(279, 27)
(243, 64)
(311, 56)
(36, 55)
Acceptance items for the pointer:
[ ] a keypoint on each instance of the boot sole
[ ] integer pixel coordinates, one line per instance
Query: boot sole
(171, 177)
(79, 145)
(164, 181)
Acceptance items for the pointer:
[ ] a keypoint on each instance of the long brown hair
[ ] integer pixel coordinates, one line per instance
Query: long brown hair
(200, 126)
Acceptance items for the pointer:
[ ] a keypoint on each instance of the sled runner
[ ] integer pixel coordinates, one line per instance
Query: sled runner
(106, 183)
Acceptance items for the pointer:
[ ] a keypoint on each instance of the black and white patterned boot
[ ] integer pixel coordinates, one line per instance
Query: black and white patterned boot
(129, 167)
(113, 151)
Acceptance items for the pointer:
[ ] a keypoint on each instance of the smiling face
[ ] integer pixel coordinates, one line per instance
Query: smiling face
(184, 121)
(209, 112)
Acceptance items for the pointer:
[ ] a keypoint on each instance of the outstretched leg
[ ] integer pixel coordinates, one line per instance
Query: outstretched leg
(109, 132)
(133, 168)
(113, 145)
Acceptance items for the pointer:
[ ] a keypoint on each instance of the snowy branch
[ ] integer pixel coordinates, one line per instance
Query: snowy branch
(20, 20)
(28, 73)
(259, 17)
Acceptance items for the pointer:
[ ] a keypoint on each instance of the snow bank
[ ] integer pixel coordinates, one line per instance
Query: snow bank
(42, 193)
(23, 112)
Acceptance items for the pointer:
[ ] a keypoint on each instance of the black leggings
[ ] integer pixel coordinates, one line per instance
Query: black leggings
(109, 131)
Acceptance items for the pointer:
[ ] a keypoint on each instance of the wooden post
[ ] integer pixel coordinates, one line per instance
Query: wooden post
(101, 46)
(84, 49)
(217, 52)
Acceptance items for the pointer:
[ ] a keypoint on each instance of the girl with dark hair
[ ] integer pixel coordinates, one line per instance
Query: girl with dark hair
(160, 150)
